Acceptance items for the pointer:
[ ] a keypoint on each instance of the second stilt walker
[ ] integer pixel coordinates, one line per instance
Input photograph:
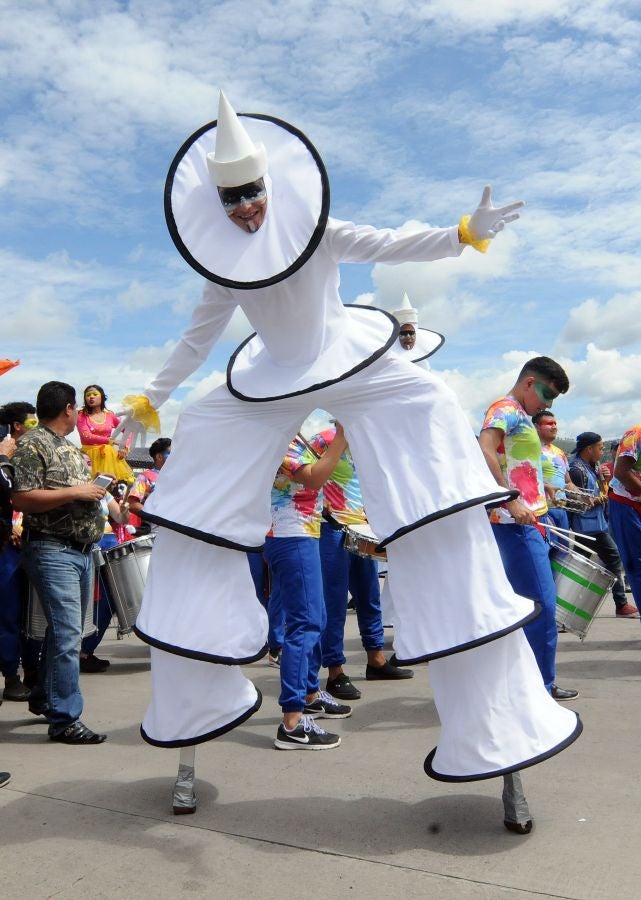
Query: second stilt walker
(247, 203)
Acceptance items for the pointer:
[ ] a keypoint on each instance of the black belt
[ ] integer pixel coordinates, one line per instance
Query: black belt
(328, 519)
(33, 535)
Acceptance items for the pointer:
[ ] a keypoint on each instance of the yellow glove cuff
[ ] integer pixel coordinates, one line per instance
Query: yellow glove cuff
(142, 411)
(466, 236)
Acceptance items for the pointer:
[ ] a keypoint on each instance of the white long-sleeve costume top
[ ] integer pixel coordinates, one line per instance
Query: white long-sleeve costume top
(302, 317)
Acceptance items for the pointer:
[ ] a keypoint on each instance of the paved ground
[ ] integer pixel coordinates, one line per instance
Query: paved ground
(360, 821)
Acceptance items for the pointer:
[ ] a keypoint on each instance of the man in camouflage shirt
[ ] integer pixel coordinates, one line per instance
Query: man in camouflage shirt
(62, 521)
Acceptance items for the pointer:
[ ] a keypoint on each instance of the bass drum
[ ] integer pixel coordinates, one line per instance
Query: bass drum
(35, 623)
(125, 571)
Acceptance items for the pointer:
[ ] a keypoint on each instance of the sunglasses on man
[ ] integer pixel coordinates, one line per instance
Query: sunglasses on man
(231, 197)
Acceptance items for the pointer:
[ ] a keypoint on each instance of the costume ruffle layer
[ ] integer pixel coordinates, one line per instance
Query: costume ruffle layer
(496, 715)
(194, 701)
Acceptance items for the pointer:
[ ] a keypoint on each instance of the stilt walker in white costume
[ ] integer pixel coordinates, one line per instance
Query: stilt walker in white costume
(247, 204)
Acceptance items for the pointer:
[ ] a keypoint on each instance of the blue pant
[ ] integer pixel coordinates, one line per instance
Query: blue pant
(343, 571)
(625, 523)
(525, 556)
(10, 611)
(297, 585)
(258, 569)
(104, 612)
(63, 578)
(559, 518)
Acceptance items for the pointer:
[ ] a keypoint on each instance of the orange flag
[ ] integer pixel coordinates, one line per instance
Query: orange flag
(6, 364)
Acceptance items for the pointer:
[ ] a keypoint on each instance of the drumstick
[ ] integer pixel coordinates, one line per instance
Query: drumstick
(299, 437)
(584, 537)
(572, 540)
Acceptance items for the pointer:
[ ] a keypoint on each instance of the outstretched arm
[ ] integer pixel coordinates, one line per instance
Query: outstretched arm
(208, 322)
(365, 244)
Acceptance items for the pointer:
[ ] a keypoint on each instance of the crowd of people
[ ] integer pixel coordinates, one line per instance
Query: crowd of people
(55, 517)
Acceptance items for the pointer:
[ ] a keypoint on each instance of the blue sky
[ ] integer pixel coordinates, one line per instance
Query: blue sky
(413, 106)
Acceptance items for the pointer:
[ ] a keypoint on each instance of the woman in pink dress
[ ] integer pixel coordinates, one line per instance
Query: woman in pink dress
(95, 426)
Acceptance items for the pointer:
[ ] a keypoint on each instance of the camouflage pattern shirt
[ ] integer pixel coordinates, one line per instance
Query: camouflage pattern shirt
(45, 461)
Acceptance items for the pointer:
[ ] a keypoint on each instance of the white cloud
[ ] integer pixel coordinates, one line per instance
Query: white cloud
(612, 324)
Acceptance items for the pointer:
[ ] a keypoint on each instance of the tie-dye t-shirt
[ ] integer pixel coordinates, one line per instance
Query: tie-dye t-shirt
(296, 510)
(144, 485)
(519, 454)
(630, 445)
(342, 491)
(555, 467)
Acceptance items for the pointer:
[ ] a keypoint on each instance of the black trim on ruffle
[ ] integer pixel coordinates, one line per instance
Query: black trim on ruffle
(469, 645)
(321, 384)
(314, 240)
(198, 535)
(199, 654)
(427, 765)
(432, 352)
(217, 732)
(489, 501)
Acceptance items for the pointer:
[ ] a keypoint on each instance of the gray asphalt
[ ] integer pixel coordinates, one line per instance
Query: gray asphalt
(359, 821)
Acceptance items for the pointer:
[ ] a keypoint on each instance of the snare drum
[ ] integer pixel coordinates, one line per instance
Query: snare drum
(581, 587)
(125, 571)
(35, 623)
(361, 540)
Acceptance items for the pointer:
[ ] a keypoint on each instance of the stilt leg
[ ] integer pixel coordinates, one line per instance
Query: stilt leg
(516, 812)
(184, 798)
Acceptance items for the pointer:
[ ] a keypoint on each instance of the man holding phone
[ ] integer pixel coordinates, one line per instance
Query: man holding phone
(62, 521)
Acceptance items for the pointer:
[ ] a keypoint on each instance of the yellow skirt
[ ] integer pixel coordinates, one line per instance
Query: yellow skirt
(105, 461)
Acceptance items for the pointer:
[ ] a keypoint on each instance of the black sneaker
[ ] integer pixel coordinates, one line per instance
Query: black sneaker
(562, 694)
(14, 689)
(306, 736)
(342, 687)
(325, 707)
(90, 664)
(386, 672)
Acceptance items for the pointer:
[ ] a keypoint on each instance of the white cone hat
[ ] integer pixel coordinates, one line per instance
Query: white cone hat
(406, 315)
(237, 159)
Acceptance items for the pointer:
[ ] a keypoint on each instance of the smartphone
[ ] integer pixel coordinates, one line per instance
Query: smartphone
(103, 481)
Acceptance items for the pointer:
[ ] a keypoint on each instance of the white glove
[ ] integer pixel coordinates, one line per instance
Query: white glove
(488, 220)
(129, 427)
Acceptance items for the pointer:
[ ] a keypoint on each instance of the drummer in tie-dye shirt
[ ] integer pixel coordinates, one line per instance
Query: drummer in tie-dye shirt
(512, 449)
(556, 469)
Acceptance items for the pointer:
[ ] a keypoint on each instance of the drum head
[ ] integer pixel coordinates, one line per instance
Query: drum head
(362, 529)
(296, 216)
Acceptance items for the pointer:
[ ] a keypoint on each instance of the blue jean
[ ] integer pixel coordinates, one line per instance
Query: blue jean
(258, 569)
(625, 523)
(297, 583)
(525, 556)
(63, 578)
(343, 571)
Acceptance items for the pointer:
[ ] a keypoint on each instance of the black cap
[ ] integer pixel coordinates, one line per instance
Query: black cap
(586, 439)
